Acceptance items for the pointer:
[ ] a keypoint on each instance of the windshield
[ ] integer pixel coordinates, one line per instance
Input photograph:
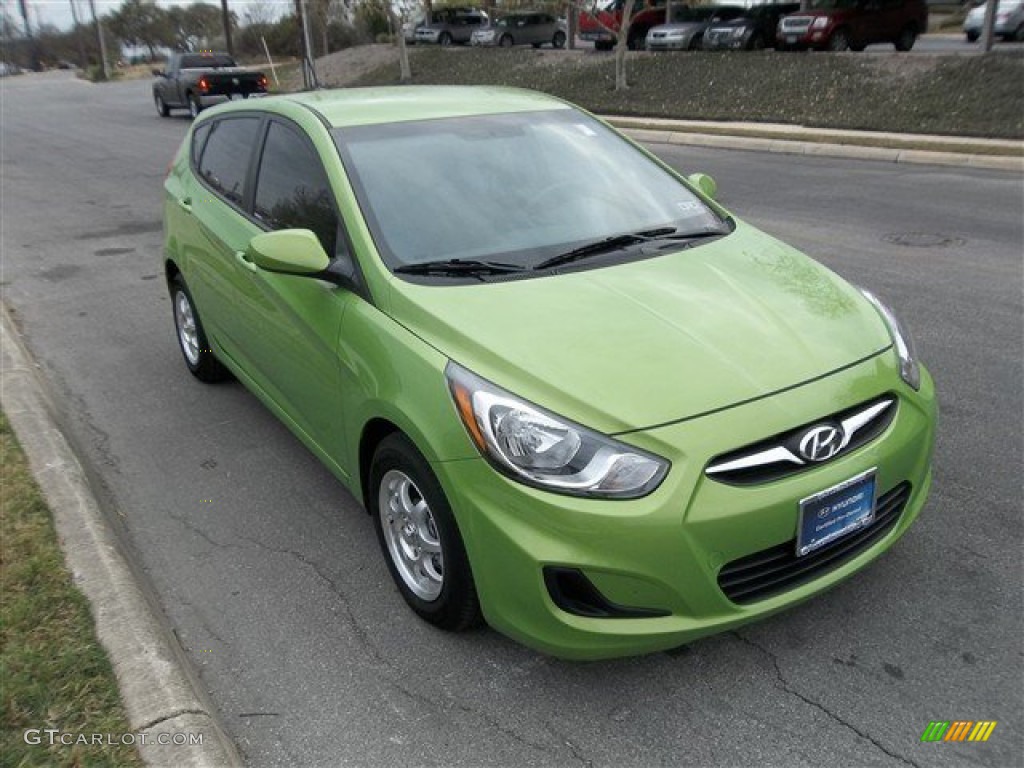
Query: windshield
(518, 188)
(828, 5)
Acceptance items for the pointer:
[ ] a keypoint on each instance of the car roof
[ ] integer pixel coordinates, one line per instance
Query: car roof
(391, 104)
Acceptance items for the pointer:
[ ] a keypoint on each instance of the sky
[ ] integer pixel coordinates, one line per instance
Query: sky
(58, 12)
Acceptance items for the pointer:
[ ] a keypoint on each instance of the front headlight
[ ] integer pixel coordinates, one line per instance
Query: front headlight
(739, 32)
(820, 22)
(536, 447)
(909, 368)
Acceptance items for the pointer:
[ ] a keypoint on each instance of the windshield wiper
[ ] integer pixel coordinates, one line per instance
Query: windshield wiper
(616, 242)
(458, 267)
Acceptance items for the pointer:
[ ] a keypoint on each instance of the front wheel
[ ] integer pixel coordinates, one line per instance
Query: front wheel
(445, 39)
(972, 36)
(161, 106)
(195, 347)
(558, 41)
(906, 39)
(840, 41)
(506, 41)
(756, 43)
(420, 538)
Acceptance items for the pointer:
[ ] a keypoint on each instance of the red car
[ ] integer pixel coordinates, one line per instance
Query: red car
(840, 25)
(645, 15)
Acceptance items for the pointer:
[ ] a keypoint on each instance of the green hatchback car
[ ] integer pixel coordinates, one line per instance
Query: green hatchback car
(579, 399)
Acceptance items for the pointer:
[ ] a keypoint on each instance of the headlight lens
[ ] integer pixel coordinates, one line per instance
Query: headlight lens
(820, 22)
(909, 368)
(739, 31)
(541, 449)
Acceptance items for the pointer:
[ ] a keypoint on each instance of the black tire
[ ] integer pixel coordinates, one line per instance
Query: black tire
(456, 607)
(972, 37)
(603, 45)
(195, 106)
(840, 41)
(536, 45)
(696, 43)
(199, 357)
(635, 41)
(445, 39)
(756, 42)
(558, 41)
(1018, 34)
(506, 41)
(857, 48)
(906, 39)
(161, 106)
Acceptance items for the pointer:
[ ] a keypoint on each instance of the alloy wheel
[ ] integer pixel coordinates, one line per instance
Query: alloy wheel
(188, 333)
(411, 535)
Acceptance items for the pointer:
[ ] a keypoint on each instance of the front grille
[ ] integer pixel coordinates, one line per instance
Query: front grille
(779, 456)
(778, 569)
(796, 24)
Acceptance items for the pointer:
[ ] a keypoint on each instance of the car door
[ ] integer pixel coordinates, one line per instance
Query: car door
(295, 352)
(217, 203)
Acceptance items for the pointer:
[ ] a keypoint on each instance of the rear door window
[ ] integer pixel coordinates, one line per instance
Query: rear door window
(224, 162)
(292, 190)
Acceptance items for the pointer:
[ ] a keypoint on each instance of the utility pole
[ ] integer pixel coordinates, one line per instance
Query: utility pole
(83, 60)
(988, 27)
(99, 34)
(32, 44)
(308, 73)
(227, 27)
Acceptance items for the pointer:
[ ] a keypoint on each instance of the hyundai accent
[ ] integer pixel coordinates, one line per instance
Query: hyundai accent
(580, 400)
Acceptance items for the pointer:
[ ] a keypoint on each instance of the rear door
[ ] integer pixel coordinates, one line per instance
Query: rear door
(218, 202)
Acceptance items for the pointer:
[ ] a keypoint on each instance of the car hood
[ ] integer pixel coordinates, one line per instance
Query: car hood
(634, 345)
(733, 23)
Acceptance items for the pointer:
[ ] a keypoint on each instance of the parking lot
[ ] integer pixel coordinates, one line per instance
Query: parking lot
(270, 576)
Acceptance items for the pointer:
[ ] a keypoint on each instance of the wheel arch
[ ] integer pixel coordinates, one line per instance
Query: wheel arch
(373, 433)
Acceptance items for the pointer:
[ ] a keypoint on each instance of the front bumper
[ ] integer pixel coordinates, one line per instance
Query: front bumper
(812, 38)
(667, 43)
(664, 552)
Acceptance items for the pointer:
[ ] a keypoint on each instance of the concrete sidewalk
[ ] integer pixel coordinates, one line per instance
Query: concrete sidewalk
(162, 698)
(958, 151)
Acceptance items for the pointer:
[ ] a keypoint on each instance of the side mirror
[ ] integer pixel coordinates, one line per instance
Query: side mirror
(704, 183)
(290, 252)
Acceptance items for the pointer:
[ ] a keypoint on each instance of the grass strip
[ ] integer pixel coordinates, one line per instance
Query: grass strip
(53, 671)
(940, 94)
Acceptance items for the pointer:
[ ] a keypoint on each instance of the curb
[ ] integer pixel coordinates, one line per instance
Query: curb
(850, 150)
(159, 692)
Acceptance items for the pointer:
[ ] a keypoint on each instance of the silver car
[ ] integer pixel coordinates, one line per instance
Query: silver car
(686, 31)
(522, 28)
(451, 25)
(1009, 21)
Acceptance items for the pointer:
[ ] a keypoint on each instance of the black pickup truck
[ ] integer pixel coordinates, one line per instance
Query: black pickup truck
(197, 80)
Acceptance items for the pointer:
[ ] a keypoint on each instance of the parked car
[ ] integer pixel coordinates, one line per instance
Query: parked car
(754, 30)
(594, 27)
(577, 396)
(451, 25)
(522, 28)
(410, 27)
(686, 32)
(1009, 22)
(197, 80)
(840, 25)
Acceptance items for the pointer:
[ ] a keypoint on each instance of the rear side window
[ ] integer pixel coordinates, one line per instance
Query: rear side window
(292, 191)
(224, 162)
(198, 139)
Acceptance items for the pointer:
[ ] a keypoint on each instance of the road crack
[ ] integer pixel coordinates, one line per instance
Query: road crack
(784, 685)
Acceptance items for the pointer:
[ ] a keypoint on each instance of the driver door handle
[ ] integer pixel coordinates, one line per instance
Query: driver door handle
(243, 258)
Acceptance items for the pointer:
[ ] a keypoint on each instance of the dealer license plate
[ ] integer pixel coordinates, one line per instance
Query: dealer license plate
(836, 512)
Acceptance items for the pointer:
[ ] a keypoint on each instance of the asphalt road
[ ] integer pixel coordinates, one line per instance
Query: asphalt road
(270, 575)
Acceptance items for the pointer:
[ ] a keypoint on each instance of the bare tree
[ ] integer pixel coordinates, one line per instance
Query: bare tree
(621, 35)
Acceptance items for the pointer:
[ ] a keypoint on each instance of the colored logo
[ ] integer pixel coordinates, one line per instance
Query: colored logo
(958, 730)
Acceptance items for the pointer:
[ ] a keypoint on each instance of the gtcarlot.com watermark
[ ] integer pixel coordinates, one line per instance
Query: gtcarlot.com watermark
(53, 737)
